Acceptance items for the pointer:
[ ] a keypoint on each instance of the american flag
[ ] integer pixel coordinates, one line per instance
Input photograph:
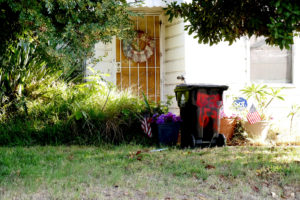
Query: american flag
(253, 115)
(146, 126)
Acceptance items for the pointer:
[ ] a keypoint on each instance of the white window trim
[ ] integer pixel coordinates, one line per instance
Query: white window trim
(162, 58)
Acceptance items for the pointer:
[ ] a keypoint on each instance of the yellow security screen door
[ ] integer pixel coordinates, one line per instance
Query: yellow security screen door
(139, 62)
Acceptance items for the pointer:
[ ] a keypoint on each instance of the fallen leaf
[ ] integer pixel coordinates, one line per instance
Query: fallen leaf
(195, 175)
(139, 158)
(202, 198)
(254, 188)
(210, 167)
(266, 183)
(258, 172)
(212, 187)
(70, 157)
(131, 155)
(138, 152)
(283, 196)
(222, 177)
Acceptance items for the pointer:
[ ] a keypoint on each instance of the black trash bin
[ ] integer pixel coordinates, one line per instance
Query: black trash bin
(200, 112)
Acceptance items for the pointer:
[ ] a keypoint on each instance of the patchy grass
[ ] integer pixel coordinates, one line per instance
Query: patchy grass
(132, 172)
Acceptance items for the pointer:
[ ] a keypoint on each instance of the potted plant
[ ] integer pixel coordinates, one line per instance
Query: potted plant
(150, 113)
(168, 128)
(227, 125)
(261, 96)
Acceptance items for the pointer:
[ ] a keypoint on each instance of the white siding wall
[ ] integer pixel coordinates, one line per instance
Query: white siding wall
(218, 64)
(174, 60)
(107, 64)
(292, 95)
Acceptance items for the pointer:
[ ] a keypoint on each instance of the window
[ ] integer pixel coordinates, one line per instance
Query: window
(269, 64)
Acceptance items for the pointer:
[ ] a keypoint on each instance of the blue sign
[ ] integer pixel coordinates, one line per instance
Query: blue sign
(240, 103)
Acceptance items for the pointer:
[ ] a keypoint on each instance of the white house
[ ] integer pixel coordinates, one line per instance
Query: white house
(167, 51)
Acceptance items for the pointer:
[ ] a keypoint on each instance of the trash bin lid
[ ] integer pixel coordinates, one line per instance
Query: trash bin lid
(200, 86)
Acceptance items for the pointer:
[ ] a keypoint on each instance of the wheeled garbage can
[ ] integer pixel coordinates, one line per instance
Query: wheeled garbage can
(200, 113)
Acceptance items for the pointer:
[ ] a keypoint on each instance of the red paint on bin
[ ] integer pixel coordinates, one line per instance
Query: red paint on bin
(208, 108)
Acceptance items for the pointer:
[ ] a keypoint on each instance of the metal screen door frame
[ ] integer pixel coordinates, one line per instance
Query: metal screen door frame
(118, 64)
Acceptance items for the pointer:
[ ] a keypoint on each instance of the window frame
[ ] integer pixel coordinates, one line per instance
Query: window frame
(286, 85)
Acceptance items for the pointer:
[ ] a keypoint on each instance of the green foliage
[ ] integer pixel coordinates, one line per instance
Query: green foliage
(59, 112)
(38, 105)
(295, 109)
(262, 96)
(151, 108)
(215, 21)
(65, 31)
(24, 74)
(79, 114)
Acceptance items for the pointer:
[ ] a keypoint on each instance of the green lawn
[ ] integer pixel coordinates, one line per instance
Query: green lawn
(116, 172)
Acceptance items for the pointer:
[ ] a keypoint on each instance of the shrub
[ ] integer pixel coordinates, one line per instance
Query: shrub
(40, 105)
(87, 113)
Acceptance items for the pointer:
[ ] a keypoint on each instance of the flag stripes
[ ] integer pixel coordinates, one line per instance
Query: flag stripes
(146, 126)
(253, 115)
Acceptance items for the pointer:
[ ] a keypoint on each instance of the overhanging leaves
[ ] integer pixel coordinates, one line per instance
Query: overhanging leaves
(227, 20)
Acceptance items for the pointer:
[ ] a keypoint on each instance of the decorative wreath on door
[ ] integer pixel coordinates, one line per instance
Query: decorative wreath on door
(134, 52)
